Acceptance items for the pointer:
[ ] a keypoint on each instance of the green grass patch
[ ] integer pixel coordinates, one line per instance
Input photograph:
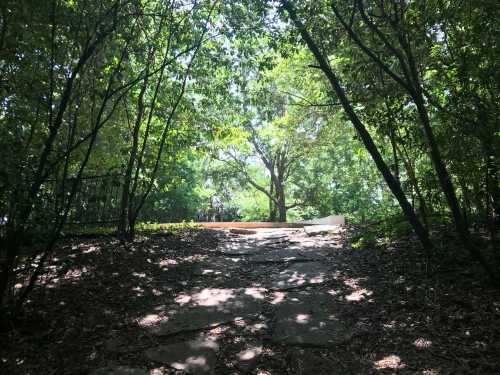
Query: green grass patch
(174, 228)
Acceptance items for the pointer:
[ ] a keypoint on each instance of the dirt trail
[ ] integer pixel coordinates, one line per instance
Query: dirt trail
(272, 287)
(274, 302)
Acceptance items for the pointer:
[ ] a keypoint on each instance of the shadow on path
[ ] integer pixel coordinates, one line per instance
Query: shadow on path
(277, 302)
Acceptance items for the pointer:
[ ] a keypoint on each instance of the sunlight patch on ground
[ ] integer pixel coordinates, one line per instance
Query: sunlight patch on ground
(391, 361)
(390, 325)
(156, 292)
(431, 372)
(256, 327)
(72, 274)
(167, 262)
(358, 295)
(151, 319)
(207, 297)
(91, 249)
(278, 297)
(198, 362)
(257, 293)
(302, 318)
(250, 353)
(353, 282)
(139, 290)
(300, 279)
(422, 343)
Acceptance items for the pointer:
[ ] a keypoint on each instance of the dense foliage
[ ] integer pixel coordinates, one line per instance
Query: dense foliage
(115, 112)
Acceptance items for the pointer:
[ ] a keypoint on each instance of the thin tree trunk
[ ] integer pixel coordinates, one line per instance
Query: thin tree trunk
(152, 178)
(365, 136)
(125, 212)
(411, 83)
(424, 211)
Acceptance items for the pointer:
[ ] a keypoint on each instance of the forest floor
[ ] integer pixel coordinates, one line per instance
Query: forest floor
(274, 302)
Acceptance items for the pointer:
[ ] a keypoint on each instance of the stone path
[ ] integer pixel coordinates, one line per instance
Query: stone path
(266, 285)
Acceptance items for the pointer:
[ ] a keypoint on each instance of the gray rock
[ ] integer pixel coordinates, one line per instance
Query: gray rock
(308, 319)
(316, 230)
(278, 256)
(220, 266)
(299, 274)
(238, 248)
(242, 231)
(194, 357)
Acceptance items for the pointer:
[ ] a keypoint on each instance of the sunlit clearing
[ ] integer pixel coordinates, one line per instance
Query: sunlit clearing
(422, 343)
(303, 318)
(391, 361)
(207, 297)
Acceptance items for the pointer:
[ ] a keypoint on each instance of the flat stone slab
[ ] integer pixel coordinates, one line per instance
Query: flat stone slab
(308, 319)
(299, 274)
(206, 308)
(219, 266)
(194, 357)
(238, 248)
(279, 256)
(120, 370)
(242, 231)
(316, 230)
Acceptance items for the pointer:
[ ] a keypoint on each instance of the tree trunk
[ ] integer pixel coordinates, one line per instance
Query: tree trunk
(422, 205)
(127, 198)
(492, 194)
(9, 246)
(272, 205)
(280, 194)
(393, 184)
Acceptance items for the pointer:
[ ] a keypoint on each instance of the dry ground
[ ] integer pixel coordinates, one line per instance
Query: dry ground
(277, 302)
